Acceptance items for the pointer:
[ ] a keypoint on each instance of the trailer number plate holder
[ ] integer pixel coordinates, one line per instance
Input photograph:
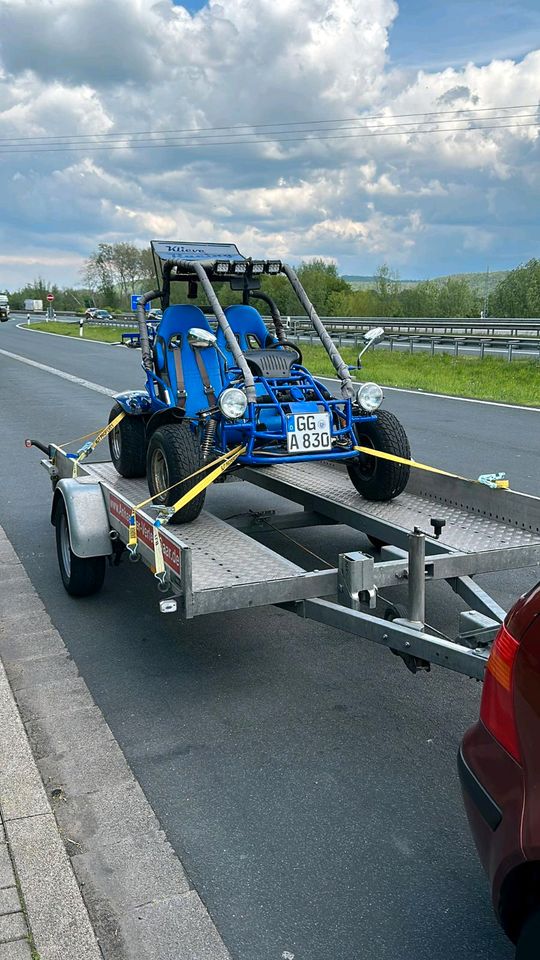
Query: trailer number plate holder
(308, 432)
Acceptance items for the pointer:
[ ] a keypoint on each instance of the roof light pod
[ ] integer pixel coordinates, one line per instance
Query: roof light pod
(222, 266)
(273, 266)
(257, 266)
(240, 266)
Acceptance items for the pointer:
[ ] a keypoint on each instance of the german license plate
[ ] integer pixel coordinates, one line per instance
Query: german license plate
(308, 432)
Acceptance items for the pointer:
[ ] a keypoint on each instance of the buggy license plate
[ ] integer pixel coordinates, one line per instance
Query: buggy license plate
(308, 432)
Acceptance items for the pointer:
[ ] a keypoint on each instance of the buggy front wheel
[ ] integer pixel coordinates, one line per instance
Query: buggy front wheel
(374, 477)
(173, 455)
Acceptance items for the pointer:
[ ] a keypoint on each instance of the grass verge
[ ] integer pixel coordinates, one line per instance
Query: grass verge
(95, 332)
(489, 379)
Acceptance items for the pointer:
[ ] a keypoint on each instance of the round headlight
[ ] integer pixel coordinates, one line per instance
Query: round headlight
(233, 403)
(370, 397)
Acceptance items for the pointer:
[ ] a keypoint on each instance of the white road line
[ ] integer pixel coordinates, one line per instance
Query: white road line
(110, 393)
(96, 387)
(448, 396)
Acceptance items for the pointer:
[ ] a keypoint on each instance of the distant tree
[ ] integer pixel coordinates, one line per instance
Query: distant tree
(387, 289)
(422, 300)
(456, 299)
(518, 295)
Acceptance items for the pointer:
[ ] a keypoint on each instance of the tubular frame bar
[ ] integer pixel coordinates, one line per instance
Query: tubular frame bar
(342, 370)
(198, 267)
(403, 639)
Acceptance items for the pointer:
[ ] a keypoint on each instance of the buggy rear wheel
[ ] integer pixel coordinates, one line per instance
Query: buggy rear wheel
(174, 454)
(127, 444)
(373, 477)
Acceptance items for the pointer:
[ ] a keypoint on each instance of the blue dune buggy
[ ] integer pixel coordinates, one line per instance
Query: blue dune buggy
(214, 384)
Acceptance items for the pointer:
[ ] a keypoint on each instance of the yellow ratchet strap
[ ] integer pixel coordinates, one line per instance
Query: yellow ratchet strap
(87, 448)
(493, 480)
(219, 466)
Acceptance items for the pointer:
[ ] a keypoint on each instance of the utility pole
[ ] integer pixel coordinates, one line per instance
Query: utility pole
(486, 295)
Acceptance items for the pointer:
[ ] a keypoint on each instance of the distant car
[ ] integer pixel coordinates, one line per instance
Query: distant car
(100, 315)
(499, 768)
(155, 314)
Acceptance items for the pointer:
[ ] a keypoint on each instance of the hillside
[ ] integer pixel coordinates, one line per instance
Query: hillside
(477, 281)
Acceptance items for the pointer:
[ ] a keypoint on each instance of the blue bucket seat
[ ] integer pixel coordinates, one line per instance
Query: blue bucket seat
(192, 375)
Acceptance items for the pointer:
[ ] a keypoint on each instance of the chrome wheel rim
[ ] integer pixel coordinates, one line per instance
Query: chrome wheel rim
(116, 444)
(65, 548)
(159, 471)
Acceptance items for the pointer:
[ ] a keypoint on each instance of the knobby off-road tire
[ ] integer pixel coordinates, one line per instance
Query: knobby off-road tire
(81, 576)
(374, 478)
(127, 444)
(173, 454)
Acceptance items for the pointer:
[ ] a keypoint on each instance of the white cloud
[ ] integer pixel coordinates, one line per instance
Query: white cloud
(88, 67)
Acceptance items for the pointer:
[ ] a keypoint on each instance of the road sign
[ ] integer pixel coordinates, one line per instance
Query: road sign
(135, 297)
(50, 297)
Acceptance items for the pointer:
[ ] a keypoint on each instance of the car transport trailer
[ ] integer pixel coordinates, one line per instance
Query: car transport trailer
(440, 528)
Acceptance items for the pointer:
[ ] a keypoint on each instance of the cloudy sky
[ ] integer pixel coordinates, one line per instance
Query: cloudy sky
(346, 129)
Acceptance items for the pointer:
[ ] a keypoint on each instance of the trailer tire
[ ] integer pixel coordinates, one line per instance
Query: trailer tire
(374, 478)
(81, 576)
(127, 445)
(174, 454)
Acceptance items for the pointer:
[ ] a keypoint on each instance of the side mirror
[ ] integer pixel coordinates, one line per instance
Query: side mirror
(370, 338)
(374, 335)
(197, 337)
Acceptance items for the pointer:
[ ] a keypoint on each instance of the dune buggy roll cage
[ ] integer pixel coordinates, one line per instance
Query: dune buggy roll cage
(230, 265)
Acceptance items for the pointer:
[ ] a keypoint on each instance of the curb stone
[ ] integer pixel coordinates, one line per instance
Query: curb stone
(99, 878)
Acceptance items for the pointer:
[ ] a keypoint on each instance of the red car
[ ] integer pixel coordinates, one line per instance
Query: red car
(499, 768)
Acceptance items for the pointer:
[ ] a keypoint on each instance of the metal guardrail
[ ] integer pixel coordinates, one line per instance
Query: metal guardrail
(435, 334)
(496, 326)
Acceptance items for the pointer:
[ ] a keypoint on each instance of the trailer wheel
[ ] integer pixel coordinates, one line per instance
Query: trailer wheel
(81, 576)
(374, 478)
(173, 455)
(127, 444)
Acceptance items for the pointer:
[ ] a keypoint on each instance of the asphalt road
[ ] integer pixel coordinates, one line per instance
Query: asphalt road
(306, 779)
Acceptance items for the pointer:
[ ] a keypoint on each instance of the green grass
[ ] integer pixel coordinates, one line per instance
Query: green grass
(95, 332)
(490, 379)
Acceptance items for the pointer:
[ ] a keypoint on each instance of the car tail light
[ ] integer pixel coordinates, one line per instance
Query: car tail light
(497, 706)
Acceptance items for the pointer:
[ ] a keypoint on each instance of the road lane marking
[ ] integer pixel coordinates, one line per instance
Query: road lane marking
(111, 393)
(442, 396)
(96, 387)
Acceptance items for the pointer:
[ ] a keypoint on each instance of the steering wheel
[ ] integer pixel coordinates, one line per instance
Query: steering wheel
(289, 344)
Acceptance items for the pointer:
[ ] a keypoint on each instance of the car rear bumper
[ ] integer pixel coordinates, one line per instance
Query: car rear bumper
(475, 794)
(492, 787)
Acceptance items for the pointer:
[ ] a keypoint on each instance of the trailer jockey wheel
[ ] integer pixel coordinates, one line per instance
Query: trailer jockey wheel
(395, 611)
(81, 576)
(373, 477)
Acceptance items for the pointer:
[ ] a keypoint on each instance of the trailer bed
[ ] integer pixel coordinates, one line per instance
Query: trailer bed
(213, 566)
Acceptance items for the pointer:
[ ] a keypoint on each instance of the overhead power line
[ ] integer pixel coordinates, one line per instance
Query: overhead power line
(232, 143)
(239, 129)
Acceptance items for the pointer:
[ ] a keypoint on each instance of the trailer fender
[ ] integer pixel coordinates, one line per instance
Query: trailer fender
(87, 518)
(134, 402)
